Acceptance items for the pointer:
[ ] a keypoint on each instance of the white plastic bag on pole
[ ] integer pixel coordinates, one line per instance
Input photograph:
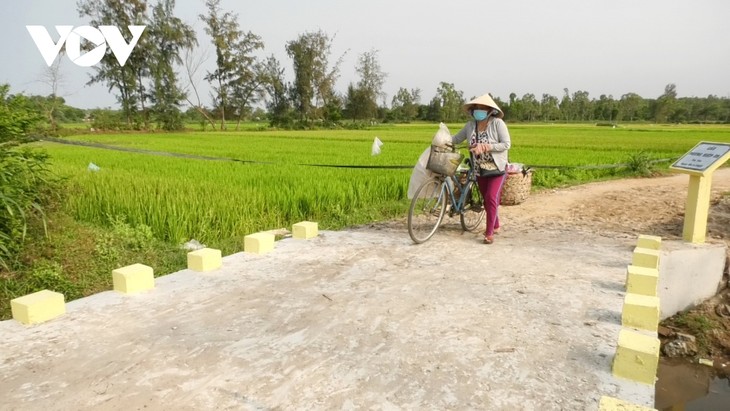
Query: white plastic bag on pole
(376, 147)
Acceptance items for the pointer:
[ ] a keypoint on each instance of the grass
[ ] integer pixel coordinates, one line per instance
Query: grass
(76, 259)
(698, 325)
(209, 200)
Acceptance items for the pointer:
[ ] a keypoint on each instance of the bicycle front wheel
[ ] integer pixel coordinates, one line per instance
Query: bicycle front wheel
(427, 210)
(472, 213)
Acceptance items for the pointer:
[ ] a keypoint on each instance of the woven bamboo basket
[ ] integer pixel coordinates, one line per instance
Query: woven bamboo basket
(516, 188)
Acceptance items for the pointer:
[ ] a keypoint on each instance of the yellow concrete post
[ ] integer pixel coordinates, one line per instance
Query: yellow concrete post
(305, 230)
(642, 280)
(38, 307)
(258, 243)
(640, 311)
(637, 357)
(697, 208)
(645, 257)
(651, 242)
(133, 278)
(614, 404)
(205, 259)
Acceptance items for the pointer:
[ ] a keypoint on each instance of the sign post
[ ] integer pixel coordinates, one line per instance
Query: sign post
(699, 163)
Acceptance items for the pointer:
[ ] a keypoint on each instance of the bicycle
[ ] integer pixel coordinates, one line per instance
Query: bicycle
(429, 204)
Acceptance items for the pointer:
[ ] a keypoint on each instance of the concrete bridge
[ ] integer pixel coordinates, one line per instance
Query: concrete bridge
(356, 319)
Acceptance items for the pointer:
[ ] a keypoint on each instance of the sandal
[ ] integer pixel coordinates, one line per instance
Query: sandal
(488, 239)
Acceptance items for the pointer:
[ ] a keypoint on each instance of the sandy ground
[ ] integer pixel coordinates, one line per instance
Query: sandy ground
(364, 319)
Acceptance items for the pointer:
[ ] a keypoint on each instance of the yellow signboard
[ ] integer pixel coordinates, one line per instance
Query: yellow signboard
(699, 163)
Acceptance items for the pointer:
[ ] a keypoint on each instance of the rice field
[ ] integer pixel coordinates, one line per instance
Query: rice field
(279, 179)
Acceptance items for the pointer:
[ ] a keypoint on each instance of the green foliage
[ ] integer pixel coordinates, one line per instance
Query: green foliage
(77, 259)
(405, 105)
(452, 103)
(168, 36)
(237, 78)
(48, 275)
(17, 117)
(133, 237)
(361, 105)
(641, 163)
(279, 107)
(23, 175)
(128, 80)
(362, 100)
(106, 119)
(123, 238)
(314, 79)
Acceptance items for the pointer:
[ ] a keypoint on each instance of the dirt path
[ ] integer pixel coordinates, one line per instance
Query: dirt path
(364, 319)
(616, 208)
(633, 206)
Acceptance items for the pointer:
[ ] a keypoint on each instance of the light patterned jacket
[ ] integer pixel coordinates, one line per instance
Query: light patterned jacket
(497, 137)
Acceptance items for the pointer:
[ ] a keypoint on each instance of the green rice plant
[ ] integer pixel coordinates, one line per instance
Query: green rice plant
(281, 177)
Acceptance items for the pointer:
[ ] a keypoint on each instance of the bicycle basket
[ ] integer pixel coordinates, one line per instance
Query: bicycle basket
(443, 160)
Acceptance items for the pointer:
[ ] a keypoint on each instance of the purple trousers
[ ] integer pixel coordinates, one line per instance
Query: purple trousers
(491, 189)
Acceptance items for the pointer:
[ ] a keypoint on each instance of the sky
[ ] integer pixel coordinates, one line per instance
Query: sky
(500, 47)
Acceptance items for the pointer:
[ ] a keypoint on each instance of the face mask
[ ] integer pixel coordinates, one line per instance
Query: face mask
(480, 115)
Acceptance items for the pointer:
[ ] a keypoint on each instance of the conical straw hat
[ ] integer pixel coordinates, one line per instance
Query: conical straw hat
(484, 100)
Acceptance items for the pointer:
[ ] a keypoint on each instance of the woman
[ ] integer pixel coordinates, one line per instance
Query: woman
(489, 143)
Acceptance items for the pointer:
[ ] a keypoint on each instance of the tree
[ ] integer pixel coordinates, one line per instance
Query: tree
(236, 78)
(605, 108)
(332, 111)
(371, 83)
(582, 105)
(452, 102)
(566, 106)
(314, 80)
(359, 104)
(514, 108)
(192, 62)
(50, 105)
(247, 84)
(128, 80)
(710, 109)
(405, 104)
(169, 36)
(665, 103)
(530, 107)
(278, 90)
(433, 110)
(630, 106)
(549, 108)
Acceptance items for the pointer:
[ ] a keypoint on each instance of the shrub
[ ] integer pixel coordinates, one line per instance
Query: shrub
(641, 164)
(23, 175)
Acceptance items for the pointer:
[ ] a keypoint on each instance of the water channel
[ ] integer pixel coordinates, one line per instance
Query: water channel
(686, 386)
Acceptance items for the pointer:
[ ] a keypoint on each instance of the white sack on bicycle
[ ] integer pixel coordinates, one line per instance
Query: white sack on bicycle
(420, 173)
(442, 137)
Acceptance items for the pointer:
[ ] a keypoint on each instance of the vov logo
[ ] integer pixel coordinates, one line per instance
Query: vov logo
(72, 38)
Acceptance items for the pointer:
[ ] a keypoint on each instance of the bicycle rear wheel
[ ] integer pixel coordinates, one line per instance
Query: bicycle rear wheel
(472, 213)
(427, 210)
